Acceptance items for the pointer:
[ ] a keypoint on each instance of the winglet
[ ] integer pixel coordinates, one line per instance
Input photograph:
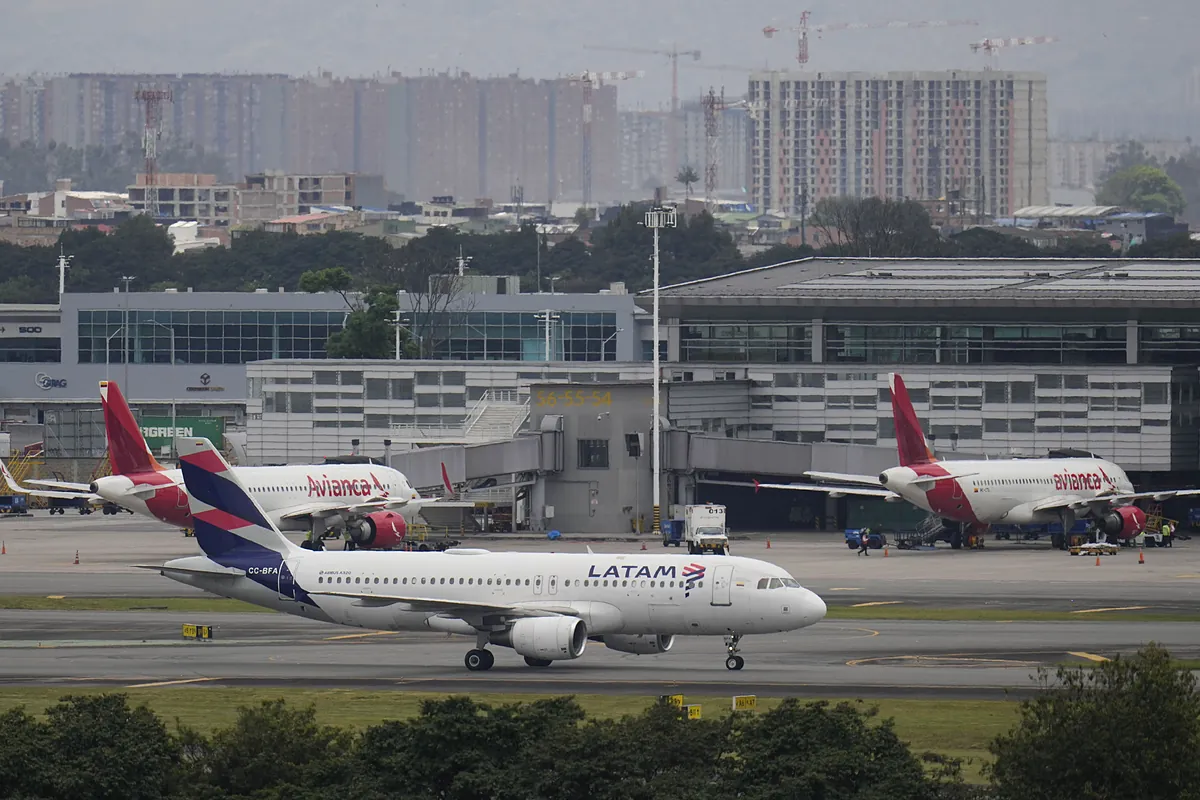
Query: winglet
(910, 441)
(756, 485)
(127, 449)
(231, 528)
(13, 486)
(589, 549)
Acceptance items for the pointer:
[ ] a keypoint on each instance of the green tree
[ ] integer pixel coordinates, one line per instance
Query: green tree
(875, 227)
(1129, 727)
(1127, 155)
(1142, 188)
(984, 243)
(687, 177)
(1179, 246)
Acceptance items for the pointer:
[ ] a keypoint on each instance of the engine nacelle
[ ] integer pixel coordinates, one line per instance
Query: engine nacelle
(1125, 522)
(639, 644)
(549, 638)
(378, 530)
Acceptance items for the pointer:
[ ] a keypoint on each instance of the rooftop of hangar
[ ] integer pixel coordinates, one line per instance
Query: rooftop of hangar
(983, 282)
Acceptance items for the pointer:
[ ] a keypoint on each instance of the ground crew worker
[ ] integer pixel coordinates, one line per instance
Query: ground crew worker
(863, 541)
(1166, 533)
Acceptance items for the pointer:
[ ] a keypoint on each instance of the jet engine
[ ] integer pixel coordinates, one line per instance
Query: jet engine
(378, 530)
(1125, 522)
(545, 638)
(640, 644)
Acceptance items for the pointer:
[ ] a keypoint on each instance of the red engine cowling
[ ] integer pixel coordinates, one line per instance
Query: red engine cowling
(1125, 522)
(378, 531)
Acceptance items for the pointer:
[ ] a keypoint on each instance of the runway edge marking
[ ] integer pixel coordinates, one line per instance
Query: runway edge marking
(170, 683)
(1087, 656)
(878, 603)
(1100, 610)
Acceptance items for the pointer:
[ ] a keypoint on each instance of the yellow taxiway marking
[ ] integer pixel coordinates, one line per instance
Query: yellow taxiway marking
(1088, 656)
(1099, 610)
(1187, 576)
(170, 683)
(846, 589)
(360, 635)
(878, 603)
(56, 597)
(946, 660)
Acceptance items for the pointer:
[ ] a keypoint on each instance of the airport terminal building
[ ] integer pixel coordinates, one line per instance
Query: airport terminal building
(768, 371)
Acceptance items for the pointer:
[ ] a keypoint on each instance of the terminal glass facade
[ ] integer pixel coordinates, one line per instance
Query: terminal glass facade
(757, 342)
(521, 336)
(31, 350)
(1007, 343)
(204, 337)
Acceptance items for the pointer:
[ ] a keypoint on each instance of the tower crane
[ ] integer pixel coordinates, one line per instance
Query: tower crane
(674, 53)
(989, 47)
(803, 29)
(587, 79)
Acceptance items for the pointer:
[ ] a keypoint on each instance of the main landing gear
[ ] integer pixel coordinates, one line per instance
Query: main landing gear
(479, 660)
(734, 661)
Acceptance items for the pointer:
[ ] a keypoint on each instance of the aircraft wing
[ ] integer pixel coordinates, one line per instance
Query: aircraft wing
(330, 507)
(81, 488)
(1163, 495)
(226, 572)
(17, 488)
(861, 491)
(1061, 501)
(463, 609)
(842, 477)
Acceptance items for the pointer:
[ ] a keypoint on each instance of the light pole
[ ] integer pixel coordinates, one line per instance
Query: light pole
(125, 381)
(397, 322)
(170, 330)
(606, 341)
(549, 317)
(106, 355)
(553, 278)
(655, 219)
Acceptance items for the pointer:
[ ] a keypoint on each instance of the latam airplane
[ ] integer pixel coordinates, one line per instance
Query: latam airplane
(374, 504)
(1021, 491)
(545, 606)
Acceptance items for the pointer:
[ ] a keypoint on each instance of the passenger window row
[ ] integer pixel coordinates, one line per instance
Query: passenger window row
(510, 582)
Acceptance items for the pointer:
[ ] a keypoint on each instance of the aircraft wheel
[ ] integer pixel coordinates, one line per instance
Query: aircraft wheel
(735, 662)
(537, 662)
(479, 660)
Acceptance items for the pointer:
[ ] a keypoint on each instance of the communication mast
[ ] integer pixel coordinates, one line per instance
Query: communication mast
(153, 100)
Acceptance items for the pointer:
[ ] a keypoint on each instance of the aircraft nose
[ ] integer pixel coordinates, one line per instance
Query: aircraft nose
(813, 607)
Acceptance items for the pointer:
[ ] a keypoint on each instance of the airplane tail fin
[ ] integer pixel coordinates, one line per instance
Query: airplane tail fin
(230, 525)
(446, 481)
(910, 441)
(10, 481)
(127, 449)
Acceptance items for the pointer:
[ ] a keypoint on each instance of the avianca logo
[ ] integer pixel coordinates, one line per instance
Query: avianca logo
(344, 487)
(378, 486)
(1075, 481)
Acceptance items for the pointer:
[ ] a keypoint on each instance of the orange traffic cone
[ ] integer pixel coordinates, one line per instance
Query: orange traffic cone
(76, 556)
(1097, 561)
(885, 551)
(768, 544)
(3, 549)
(1141, 556)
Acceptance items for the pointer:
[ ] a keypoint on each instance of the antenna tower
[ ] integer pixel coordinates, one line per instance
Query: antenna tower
(713, 105)
(588, 79)
(153, 100)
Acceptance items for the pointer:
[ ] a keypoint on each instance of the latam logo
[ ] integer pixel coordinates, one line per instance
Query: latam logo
(692, 574)
(631, 571)
(1075, 481)
(335, 487)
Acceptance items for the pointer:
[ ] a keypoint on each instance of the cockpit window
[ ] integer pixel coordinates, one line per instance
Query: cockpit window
(791, 583)
(763, 582)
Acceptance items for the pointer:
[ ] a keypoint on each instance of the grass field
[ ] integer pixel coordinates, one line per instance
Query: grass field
(959, 728)
(900, 611)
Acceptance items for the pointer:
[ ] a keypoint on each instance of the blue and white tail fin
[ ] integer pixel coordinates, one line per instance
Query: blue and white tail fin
(231, 528)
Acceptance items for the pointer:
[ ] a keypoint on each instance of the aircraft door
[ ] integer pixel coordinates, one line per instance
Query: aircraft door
(958, 491)
(552, 584)
(722, 578)
(287, 580)
(537, 584)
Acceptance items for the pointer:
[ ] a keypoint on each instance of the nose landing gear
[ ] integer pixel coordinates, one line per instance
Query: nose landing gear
(734, 661)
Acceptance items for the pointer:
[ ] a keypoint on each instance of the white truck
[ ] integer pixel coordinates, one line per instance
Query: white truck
(704, 529)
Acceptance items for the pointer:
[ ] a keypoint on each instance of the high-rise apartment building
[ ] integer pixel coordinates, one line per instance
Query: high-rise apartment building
(645, 150)
(898, 135)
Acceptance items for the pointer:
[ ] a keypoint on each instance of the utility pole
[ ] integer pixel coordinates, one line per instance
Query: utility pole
(125, 333)
(655, 219)
(64, 263)
(549, 317)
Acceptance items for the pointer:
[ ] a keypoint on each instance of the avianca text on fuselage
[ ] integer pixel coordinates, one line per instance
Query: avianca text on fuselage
(1077, 481)
(325, 486)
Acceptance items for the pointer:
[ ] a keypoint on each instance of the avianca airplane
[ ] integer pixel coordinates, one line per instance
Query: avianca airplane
(374, 504)
(545, 606)
(1022, 491)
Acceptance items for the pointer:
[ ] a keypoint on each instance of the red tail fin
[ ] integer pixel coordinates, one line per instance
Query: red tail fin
(910, 441)
(127, 449)
(446, 481)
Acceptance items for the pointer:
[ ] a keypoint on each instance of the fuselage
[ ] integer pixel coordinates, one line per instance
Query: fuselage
(279, 490)
(1005, 491)
(613, 594)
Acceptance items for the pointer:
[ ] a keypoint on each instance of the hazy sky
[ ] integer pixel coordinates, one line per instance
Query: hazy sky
(1111, 54)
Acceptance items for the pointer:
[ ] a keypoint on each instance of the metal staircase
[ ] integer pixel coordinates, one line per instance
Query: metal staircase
(497, 416)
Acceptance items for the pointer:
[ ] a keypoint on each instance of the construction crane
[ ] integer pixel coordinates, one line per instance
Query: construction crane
(153, 100)
(674, 53)
(989, 47)
(588, 79)
(803, 29)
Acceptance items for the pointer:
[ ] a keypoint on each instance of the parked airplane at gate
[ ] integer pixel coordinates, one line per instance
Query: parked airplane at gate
(374, 504)
(1021, 491)
(545, 606)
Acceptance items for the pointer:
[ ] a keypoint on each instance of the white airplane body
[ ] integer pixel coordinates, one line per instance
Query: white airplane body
(545, 606)
(1020, 491)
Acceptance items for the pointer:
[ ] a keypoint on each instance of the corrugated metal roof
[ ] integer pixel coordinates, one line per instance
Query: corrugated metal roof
(1029, 212)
